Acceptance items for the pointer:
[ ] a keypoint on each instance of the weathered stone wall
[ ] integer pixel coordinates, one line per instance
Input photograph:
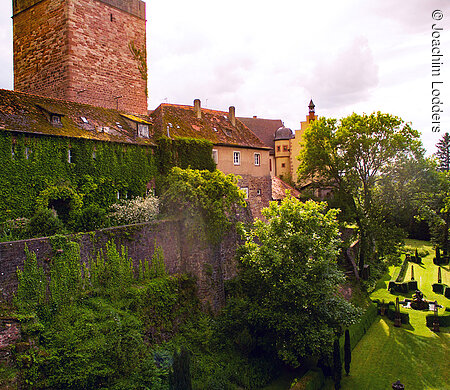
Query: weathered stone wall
(259, 192)
(184, 252)
(79, 50)
(41, 50)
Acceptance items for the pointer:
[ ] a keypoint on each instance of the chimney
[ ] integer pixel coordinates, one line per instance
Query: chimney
(197, 109)
(232, 115)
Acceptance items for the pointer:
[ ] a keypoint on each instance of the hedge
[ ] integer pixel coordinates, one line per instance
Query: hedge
(358, 330)
(447, 292)
(402, 273)
(390, 313)
(404, 287)
(444, 320)
(444, 260)
(438, 288)
(312, 380)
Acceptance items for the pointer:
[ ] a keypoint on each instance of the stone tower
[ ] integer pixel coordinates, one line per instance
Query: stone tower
(87, 51)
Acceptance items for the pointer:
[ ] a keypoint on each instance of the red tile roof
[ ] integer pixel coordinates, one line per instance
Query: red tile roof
(181, 121)
(263, 128)
(22, 112)
(279, 188)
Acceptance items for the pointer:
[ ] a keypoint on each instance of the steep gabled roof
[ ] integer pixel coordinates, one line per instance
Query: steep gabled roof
(181, 121)
(263, 128)
(22, 112)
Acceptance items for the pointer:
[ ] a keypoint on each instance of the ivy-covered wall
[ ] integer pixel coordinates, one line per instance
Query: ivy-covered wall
(184, 153)
(98, 170)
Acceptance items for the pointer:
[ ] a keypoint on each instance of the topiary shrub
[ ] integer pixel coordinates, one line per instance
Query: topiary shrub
(412, 285)
(444, 320)
(447, 292)
(44, 223)
(438, 288)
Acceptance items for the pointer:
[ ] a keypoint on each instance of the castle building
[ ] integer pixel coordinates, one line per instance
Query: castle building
(85, 51)
(284, 143)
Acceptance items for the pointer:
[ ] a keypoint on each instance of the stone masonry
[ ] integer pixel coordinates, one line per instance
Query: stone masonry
(79, 50)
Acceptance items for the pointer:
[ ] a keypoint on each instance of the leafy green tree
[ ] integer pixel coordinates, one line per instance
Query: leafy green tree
(443, 152)
(180, 376)
(288, 295)
(351, 156)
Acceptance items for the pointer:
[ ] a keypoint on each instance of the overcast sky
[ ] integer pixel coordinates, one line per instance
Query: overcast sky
(270, 58)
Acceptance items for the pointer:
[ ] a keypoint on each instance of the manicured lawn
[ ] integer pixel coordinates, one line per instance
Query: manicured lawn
(414, 354)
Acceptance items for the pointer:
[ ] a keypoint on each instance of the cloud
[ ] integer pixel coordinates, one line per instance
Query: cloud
(345, 79)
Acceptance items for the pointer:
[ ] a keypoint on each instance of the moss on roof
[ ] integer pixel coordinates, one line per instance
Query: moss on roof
(22, 112)
(181, 121)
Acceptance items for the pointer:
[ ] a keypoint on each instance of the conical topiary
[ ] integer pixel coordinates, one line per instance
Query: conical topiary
(347, 352)
(337, 365)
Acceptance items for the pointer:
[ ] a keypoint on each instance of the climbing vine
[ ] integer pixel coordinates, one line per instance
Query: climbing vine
(140, 55)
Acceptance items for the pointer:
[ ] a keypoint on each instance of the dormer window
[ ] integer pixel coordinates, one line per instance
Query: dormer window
(142, 130)
(55, 120)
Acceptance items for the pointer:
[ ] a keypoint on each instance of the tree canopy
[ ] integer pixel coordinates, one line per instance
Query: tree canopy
(443, 152)
(351, 156)
(289, 280)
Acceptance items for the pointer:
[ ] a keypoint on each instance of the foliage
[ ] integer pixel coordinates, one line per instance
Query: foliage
(96, 177)
(203, 195)
(288, 295)
(95, 326)
(184, 153)
(140, 56)
(43, 224)
(180, 375)
(31, 285)
(351, 156)
(91, 218)
(443, 152)
(135, 210)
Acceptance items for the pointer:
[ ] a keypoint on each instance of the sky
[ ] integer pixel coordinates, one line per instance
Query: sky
(270, 58)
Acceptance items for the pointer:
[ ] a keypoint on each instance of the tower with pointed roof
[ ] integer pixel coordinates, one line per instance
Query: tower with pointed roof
(85, 51)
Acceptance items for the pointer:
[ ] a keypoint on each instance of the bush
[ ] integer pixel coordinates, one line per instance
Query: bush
(135, 211)
(44, 223)
(91, 218)
(402, 273)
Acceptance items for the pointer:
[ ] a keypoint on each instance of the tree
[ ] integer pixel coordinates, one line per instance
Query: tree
(347, 352)
(337, 364)
(288, 296)
(351, 156)
(443, 152)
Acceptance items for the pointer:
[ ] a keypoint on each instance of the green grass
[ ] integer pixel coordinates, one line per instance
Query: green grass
(414, 354)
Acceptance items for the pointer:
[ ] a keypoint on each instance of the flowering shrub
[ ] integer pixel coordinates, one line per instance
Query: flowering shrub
(135, 210)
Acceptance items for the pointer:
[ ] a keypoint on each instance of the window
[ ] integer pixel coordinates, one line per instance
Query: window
(278, 148)
(257, 159)
(270, 164)
(94, 155)
(215, 156)
(245, 190)
(28, 152)
(142, 130)
(283, 165)
(285, 148)
(69, 156)
(237, 158)
(13, 151)
(55, 120)
(258, 192)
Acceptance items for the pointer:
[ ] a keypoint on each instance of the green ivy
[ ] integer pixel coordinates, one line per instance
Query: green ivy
(97, 177)
(184, 153)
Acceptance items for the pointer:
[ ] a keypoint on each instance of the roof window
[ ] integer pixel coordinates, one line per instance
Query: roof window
(84, 120)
